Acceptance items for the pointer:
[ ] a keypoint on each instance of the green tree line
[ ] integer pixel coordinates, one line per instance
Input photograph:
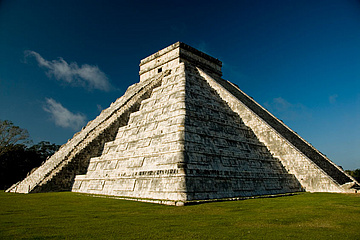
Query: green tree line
(354, 173)
(18, 157)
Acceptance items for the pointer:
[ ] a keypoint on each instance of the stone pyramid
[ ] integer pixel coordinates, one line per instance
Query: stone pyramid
(182, 134)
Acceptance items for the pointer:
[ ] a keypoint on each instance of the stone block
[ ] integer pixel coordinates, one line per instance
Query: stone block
(184, 134)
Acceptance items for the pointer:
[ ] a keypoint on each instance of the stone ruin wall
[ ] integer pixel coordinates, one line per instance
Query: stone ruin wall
(185, 144)
(145, 160)
(59, 171)
(311, 168)
(223, 157)
(199, 158)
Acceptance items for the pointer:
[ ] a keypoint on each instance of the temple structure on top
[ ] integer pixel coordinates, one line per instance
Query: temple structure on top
(182, 134)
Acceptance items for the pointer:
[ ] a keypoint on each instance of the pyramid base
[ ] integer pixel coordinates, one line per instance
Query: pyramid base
(176, 190)
(193, 202)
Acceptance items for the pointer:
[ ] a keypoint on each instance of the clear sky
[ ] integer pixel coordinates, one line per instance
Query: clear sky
(62, 61)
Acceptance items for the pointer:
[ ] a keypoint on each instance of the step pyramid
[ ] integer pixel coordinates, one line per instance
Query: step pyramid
(184, 134)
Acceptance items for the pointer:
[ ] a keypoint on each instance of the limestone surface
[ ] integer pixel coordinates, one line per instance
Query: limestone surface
(184, 134)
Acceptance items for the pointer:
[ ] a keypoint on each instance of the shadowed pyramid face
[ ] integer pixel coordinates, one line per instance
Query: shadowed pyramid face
(224, 157)
(184, 144)
(181, 134)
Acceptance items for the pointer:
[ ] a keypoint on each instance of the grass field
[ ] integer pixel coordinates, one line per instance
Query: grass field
(75, 216)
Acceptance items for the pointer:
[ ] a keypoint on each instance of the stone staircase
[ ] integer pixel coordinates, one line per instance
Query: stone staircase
(59, 171)
(313, 169)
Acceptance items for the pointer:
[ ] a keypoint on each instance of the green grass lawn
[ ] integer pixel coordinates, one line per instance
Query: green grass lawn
(69, 215)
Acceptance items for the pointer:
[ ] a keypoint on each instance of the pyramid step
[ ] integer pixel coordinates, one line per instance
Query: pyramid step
(86, 143)
(181, 134)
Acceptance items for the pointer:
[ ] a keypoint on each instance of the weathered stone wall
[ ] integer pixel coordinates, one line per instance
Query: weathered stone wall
(171, 56)
(223, 156)
(185, 144)
(313, 170)
(181, 134)
(58, 172)
(146, 158)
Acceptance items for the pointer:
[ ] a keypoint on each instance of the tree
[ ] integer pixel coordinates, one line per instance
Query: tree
(44, 149)
(11, 135)
(15, 163)
(19, 160)
(354, 173)
(16, 158)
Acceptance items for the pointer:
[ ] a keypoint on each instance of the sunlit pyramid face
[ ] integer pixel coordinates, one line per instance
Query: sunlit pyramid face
(185, 134)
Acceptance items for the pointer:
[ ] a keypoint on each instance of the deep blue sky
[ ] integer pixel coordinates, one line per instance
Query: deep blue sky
(299, 59)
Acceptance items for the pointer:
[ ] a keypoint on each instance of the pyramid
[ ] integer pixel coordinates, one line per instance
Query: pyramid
(184, 134)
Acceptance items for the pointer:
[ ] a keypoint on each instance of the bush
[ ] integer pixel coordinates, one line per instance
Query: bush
(16, 162)
(354, 173)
